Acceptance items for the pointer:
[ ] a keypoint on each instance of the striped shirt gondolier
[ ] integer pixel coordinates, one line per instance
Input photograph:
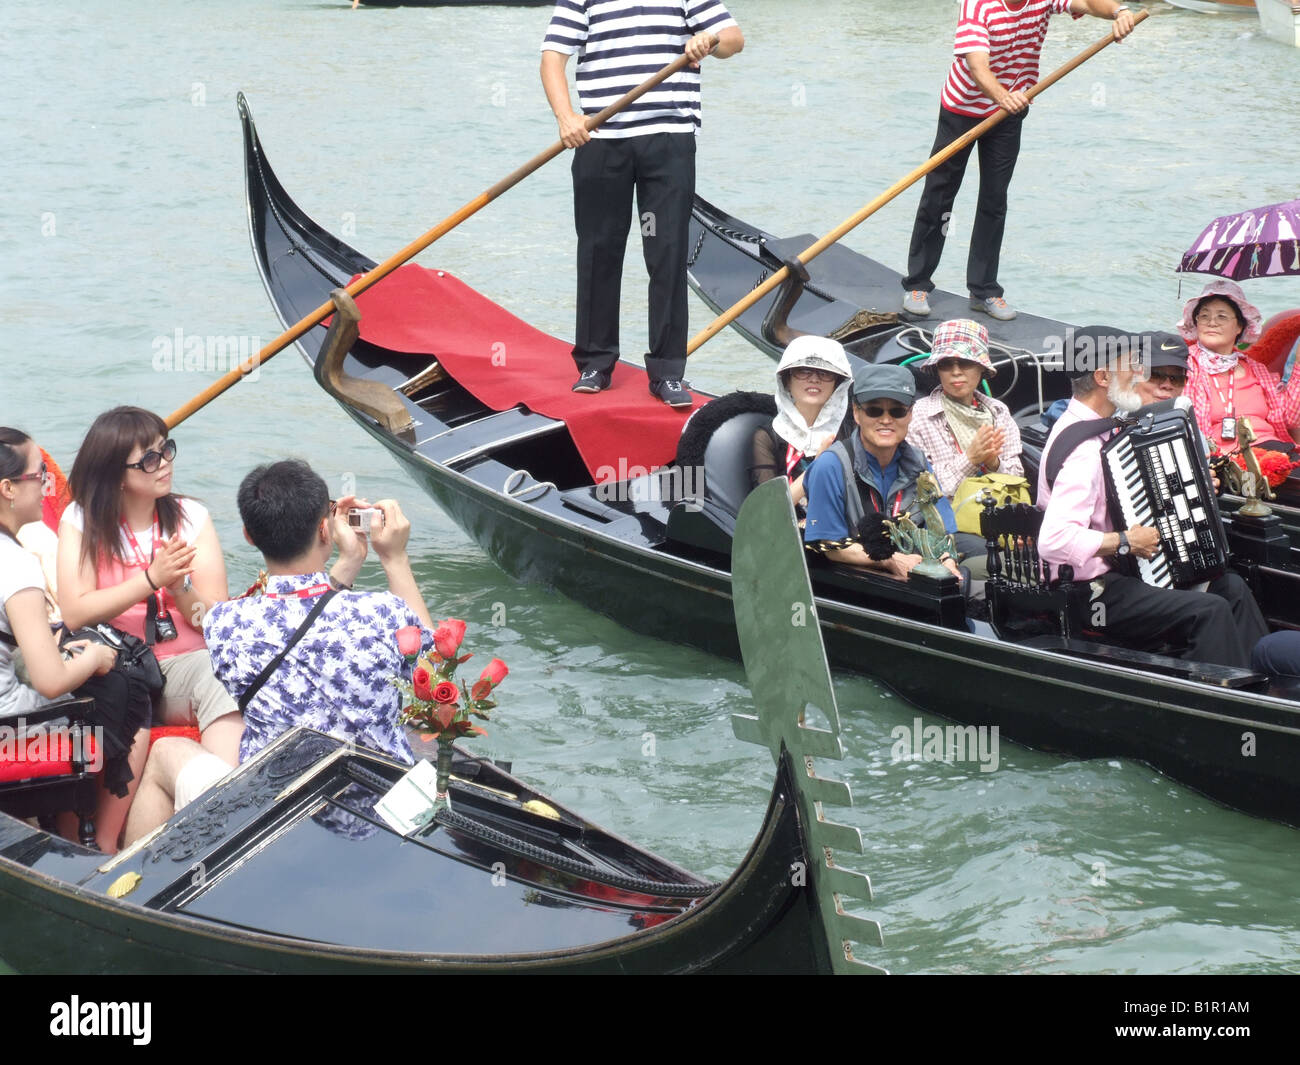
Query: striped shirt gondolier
(619, 45)
(1013, 41)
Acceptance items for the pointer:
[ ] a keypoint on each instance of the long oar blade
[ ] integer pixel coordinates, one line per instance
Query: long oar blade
(849, 224)
(414, 248)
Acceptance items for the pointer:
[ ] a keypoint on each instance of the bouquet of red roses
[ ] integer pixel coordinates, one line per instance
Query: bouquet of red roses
(437, 704)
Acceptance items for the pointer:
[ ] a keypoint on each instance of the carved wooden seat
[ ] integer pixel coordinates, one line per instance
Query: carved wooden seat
(1025, 598)
(51, 765)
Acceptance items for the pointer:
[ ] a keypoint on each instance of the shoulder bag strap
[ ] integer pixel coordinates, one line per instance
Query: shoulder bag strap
(1071, 437)
(854, 511)
(274, 664)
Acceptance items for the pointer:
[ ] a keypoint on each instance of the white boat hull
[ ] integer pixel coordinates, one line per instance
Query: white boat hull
(1280, 19)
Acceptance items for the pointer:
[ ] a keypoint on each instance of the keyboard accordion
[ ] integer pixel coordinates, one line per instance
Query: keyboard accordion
(1156, 475)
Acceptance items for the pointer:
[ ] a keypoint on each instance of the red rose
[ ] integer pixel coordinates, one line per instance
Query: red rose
(493, 674)
(420, 684)
(409, 640)
(445, 692)
(447, 637)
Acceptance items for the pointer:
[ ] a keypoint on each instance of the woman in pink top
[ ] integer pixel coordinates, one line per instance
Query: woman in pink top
(1225, 386)
(147, 561)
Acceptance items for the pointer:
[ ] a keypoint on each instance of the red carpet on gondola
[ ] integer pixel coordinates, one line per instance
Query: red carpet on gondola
(504, 361)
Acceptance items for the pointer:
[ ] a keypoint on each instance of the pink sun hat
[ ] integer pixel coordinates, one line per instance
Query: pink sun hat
(1230, 291)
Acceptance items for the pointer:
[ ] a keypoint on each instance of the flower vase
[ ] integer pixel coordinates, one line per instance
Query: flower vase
(443, 767)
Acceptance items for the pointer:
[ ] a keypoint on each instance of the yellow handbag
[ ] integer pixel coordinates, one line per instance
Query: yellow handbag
(966, 503)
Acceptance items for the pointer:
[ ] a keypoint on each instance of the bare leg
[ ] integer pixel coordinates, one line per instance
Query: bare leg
(222, 737)
(154, 799)
(111, 811)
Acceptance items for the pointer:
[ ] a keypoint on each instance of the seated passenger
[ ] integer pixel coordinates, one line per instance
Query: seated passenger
(337, 677)
(1223, 385)
(1221, 627)
(812, 406)
(178, 772)
(962, 432)
(885, 470)
(25, 627)
(136, 555)
(1167, 377)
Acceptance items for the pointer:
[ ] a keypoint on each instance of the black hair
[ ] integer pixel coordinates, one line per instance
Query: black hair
(281, 506)
(12, 461)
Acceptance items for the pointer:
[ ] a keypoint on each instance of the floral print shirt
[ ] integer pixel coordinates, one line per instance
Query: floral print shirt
(336, 679)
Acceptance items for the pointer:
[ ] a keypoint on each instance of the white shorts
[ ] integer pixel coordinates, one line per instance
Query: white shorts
(197, 775)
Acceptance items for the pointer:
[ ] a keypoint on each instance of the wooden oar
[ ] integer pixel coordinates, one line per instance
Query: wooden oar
(415, 247)
(808, 254)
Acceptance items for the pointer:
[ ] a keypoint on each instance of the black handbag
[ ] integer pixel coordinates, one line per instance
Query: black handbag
(135, 658)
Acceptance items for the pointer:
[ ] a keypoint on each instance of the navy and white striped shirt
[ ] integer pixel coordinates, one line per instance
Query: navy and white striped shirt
(621, 44)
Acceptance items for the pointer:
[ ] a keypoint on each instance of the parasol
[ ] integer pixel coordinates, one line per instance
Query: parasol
(1263, 242)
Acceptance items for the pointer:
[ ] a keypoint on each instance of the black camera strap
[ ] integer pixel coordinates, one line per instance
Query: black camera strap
(274, 664)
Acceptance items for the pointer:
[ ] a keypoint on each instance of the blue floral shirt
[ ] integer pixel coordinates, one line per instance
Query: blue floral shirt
(336, 679)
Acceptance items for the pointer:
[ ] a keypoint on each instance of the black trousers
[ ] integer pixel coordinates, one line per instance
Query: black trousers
(998, 149)
(660, 168)
(1221, 625)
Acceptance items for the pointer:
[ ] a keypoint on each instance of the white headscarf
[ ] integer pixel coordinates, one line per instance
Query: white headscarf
(819, 353)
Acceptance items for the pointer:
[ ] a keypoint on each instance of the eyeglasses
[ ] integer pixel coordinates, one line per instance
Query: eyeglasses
(897, 413)
(1178, 380)
(948, 365)
(1221, 318)
(39, 475)
(151, 460)
(807, 373)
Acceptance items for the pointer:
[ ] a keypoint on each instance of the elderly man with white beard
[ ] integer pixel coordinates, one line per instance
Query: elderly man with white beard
(1220, 625)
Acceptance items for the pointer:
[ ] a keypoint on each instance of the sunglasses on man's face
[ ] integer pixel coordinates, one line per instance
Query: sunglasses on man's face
(897, 413)
(39, 475)
(1178, 380)
(151, 460)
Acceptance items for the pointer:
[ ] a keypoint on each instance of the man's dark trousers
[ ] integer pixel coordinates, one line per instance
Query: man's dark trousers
(998, 149)
(661, 169)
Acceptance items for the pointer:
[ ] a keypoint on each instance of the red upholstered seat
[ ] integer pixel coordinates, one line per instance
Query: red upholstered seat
(50, 755)
(51, 766)
(158, 732)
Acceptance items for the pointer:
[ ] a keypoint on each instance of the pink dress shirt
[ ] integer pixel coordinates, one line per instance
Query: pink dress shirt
(1075, 516)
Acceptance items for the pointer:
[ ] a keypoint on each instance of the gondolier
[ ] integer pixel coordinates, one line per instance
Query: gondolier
(649, 147)
(995, 61)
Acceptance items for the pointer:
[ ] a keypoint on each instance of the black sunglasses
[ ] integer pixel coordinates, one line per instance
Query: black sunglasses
(151, 460)
(897, 413)
(1172, 378)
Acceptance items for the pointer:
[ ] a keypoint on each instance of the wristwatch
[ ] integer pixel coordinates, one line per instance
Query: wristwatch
(1124, 547)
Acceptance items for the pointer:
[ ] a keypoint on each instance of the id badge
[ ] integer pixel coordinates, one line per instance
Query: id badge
(1229, 430)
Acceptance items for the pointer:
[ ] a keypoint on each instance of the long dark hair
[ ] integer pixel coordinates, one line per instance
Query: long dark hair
(96, 480)
(12, 461)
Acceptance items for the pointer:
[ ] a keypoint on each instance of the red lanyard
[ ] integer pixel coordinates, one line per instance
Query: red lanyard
(898, 502)
(1227, 403)
(161, 594)
(301, 593)
(792, 457)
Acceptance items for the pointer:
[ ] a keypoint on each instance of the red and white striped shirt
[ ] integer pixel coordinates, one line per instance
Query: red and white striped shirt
(1012, 39)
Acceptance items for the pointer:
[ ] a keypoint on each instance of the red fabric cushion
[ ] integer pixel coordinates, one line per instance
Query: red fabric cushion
(1276, 340)
(504, 361)
(45, 754)
(189, 732)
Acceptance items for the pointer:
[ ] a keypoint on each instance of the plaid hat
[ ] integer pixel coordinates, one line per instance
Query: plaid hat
(1166, 349)
(963, 339)
(884, 381)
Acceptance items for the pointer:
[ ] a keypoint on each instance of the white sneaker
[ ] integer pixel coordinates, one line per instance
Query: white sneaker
(917, 303)
(994, 307)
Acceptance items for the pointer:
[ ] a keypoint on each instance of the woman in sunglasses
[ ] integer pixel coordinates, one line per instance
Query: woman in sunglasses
(1223, 386)
(147, 561)
(25, 625)
(812, 403)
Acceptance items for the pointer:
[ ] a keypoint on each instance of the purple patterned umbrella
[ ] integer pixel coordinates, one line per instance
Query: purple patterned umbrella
(1264, 242)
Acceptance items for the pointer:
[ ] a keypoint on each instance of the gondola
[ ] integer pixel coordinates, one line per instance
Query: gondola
(285, 867)
(656, 557)
(856, 299)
